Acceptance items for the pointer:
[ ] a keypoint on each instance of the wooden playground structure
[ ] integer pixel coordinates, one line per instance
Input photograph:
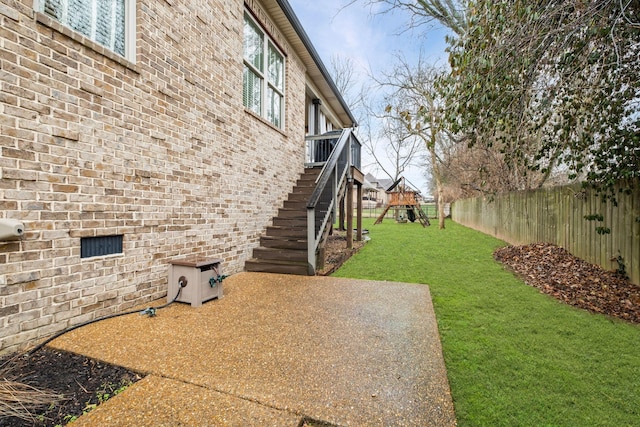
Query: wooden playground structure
(402, 197)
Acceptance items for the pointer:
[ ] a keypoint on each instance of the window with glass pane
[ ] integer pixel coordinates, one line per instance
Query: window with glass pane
(102, 21)
(276, 86)
(276, 68)
(253, 44)
(263, 78)
(253, 59)
(274, 107)
(251, 91)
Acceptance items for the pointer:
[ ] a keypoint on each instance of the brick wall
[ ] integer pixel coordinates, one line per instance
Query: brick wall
(160, 151)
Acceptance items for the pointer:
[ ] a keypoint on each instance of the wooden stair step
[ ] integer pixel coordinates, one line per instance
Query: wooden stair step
(311, 178)
(300, 205)
(283, 248)
(285, 231)
(312, 172)
(283, 243)
(299, 197)
(304, 189)
(280, 254)
(300, 268)
(291, 213)
(290, 222)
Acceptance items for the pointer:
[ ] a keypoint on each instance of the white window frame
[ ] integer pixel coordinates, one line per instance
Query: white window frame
(129, 25)
(263, 74)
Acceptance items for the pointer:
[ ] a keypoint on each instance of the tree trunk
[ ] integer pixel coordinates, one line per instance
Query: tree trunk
(440, 205)
(438, 176)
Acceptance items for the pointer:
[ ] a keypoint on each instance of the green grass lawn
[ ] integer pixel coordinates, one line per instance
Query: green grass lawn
(514, 356)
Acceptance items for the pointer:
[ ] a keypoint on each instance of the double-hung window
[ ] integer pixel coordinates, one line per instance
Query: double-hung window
(109, 23)
(263, 77)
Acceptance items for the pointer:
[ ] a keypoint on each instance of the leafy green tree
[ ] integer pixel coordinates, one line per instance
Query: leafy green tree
(482, 168)
(553, 84)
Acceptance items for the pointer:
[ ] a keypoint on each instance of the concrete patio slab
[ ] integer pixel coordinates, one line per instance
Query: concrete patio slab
(165, 402)
(277, 349)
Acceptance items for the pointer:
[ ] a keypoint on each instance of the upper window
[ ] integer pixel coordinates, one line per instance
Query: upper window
(263, 79)
(106, 22)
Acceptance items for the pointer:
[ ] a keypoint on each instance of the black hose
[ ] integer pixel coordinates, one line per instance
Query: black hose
(150, 310)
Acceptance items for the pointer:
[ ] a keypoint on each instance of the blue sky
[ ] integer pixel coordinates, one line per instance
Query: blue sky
(372, 41)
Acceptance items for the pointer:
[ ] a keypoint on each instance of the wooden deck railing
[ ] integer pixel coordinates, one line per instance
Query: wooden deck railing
(321, 208)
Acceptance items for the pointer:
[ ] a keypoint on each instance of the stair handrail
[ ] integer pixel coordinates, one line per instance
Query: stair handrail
(317, 216)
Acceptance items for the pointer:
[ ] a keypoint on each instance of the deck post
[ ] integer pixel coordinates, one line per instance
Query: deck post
(350, 213)
(359, 212)
(311, 241)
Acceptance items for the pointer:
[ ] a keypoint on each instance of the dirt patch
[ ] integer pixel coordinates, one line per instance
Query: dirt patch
(572, 280)
(79, 382)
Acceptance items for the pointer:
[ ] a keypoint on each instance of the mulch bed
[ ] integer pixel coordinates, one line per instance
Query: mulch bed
(307, 422)
(80, 382)
(336, 251)
(556, 272)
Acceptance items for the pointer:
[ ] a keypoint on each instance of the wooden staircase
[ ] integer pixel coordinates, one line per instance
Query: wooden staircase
(283, 248)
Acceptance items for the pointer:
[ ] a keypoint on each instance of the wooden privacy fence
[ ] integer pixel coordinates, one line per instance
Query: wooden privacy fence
(557, 215)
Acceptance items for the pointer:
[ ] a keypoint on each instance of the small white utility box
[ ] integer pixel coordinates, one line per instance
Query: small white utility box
(203, 278)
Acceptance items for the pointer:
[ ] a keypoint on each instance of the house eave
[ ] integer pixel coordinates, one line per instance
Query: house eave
(288, 22)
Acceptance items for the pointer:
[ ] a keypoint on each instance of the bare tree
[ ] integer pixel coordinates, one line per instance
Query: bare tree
(421, 113)
(389, 144)
(342, 71)
(488, 167)
(401, 146)
(451, 14)
(346, 78)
